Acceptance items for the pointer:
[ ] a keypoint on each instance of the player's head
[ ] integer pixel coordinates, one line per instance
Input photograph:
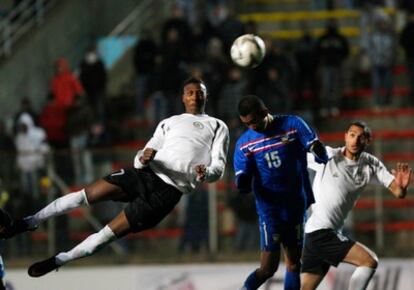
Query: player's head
(253, 112)
(194, 96)
(357, 137)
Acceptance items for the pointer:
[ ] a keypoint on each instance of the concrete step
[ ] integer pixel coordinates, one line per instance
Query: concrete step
(389, 119)
(285, 20)
(254, 6)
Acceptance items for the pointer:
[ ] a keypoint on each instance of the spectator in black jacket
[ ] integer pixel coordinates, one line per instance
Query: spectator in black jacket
(145, 57)
(407, 42)
(93, 78)
(332, 50)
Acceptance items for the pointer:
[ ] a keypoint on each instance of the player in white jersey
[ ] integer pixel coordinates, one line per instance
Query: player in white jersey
(336, 187)
(185, 149)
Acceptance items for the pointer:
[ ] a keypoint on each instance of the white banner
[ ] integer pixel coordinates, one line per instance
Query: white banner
(392, 274)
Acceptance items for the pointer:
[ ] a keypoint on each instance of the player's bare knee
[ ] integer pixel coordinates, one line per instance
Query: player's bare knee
(295, 267)
(373, 263)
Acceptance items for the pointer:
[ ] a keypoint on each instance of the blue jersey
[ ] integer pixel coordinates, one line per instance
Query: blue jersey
(275, 162)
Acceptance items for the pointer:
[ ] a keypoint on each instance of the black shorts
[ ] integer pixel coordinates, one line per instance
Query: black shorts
(324, 248)
(150, 198)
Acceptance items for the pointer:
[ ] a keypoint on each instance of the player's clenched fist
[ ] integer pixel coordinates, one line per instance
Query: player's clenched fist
(147, 156)
(201, 172)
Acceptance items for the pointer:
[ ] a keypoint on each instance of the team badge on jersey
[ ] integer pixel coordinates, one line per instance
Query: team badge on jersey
(285, 139)
(198, 125)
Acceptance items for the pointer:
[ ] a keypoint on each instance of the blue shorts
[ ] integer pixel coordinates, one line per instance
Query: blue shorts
(273, 233)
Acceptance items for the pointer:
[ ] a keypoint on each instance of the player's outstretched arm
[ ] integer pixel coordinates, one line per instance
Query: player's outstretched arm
(402, 176)
(215, 170)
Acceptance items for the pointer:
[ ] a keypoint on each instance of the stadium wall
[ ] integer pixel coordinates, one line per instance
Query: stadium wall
(392, 274)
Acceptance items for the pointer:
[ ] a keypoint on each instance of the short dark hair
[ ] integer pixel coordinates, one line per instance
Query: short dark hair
(250, 104)
(193, 80)
(364, 126)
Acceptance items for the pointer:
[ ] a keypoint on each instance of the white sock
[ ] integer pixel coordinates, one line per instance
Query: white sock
(360, 278)
(89, 246)
(59, 206)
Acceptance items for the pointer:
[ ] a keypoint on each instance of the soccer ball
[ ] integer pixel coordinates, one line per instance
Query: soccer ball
(248, 51)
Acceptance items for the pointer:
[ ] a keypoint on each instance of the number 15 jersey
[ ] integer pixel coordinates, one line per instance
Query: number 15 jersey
(275, 160)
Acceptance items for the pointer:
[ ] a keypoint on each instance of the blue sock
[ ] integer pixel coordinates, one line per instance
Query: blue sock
(2, 272)
(251, 282)
(292, 280)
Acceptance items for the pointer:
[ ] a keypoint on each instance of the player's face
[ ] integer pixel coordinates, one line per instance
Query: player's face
(194, 98)
(255, 121)
(355, 141)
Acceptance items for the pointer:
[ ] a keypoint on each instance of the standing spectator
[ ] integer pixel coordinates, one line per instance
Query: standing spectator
(382, 53)
(306, 60)
(174, 54)
(25, 107)
(145, 55)
(230, 27)
(78, 125)
(407, 42)
(247, 223)
(195, 228)
(93, 79)
(179, 23)
(53, 119)
(64, 85)
(332, 49)
(201, 33)
(233, 88)
(6, 154)
(274, 77)
(216, 67)
(31, 146)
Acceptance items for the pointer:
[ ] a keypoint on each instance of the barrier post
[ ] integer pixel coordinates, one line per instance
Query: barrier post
(379, 204)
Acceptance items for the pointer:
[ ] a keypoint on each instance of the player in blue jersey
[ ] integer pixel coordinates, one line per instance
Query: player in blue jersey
(270, 160)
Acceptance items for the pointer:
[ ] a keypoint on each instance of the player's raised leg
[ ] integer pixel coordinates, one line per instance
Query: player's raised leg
(101, 190)
(117, 228)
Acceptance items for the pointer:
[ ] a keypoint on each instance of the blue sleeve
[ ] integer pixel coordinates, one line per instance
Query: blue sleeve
(242, 169)
(305, 133)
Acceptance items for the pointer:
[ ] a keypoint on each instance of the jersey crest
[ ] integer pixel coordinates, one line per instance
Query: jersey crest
(198, 125)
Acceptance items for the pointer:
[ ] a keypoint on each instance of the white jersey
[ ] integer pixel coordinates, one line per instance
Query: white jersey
(338, 184)
(184, 141)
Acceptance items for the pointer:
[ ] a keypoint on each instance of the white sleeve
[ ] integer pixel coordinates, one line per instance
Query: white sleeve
(218, 153)
(312, 164)
(381, 174)
(156, 142)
